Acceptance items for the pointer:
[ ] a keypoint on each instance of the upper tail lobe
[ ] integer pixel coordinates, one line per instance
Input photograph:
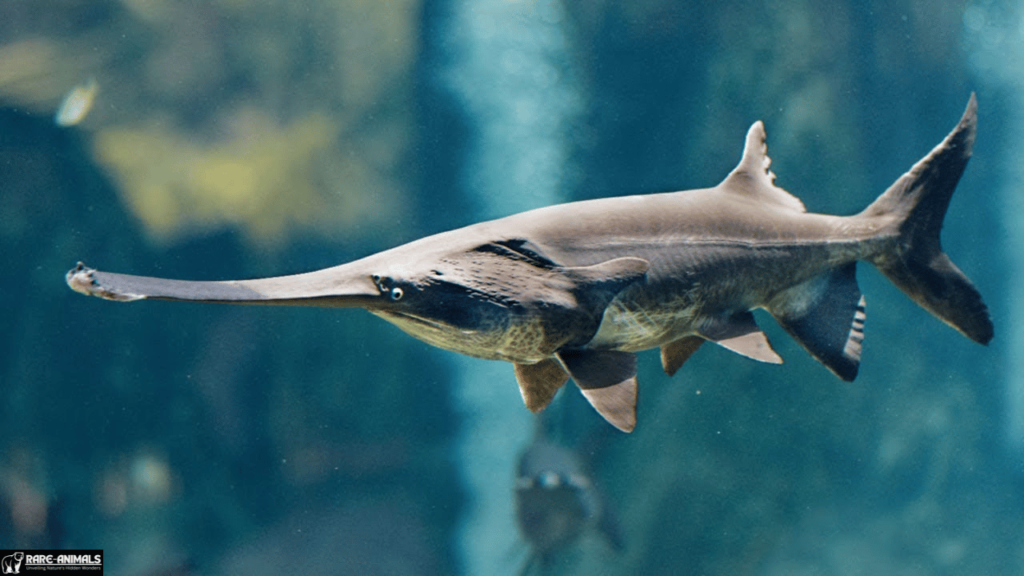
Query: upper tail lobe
(916, 205)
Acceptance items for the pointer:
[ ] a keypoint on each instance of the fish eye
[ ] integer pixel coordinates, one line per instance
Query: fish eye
(397, 293)
(549, 480)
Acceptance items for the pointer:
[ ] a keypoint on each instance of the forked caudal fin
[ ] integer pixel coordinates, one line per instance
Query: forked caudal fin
(916, 203)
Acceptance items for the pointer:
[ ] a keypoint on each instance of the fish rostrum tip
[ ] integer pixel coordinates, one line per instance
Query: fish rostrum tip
(82, 279)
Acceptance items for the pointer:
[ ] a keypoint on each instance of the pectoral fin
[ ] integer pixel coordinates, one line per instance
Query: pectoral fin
(538, 383)
(740, 334)
(607, 379)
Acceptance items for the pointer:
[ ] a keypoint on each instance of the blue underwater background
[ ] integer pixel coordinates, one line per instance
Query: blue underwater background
(239, 139)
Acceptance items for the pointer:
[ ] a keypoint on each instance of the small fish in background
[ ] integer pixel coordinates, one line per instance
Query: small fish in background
(76, 105)
(557, 502)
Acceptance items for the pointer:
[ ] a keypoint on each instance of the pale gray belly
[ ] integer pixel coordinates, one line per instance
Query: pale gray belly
(631, 325)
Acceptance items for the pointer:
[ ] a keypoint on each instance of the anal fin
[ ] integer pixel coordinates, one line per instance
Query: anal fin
(826, 316)
(676, 353)
(739, 333)
(607, 379)
(538, 383)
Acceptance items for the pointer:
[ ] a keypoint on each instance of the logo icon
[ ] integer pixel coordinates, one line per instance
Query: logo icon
(11, 564)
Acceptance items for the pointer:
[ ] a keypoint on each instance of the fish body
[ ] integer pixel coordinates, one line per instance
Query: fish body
(556, 502)
(76, 104)
(575, 290)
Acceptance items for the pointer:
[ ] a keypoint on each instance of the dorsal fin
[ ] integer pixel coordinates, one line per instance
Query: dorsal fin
(753, 177)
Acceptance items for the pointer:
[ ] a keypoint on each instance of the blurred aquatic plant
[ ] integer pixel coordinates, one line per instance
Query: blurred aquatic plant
(264, 178)
(36, 72)
(271, 118)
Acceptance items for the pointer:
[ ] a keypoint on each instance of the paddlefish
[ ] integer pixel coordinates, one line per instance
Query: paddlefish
(575, 290)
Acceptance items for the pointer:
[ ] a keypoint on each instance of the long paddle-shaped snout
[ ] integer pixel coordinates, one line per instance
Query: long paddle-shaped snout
(346, 286)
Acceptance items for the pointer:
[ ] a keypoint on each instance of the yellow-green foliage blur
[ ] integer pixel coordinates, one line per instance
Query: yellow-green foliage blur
(250, 116)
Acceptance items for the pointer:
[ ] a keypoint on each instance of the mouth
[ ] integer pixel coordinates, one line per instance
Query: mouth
(402, 317)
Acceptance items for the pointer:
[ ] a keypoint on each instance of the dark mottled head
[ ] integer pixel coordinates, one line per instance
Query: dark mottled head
(500, 300)
(497, 300)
